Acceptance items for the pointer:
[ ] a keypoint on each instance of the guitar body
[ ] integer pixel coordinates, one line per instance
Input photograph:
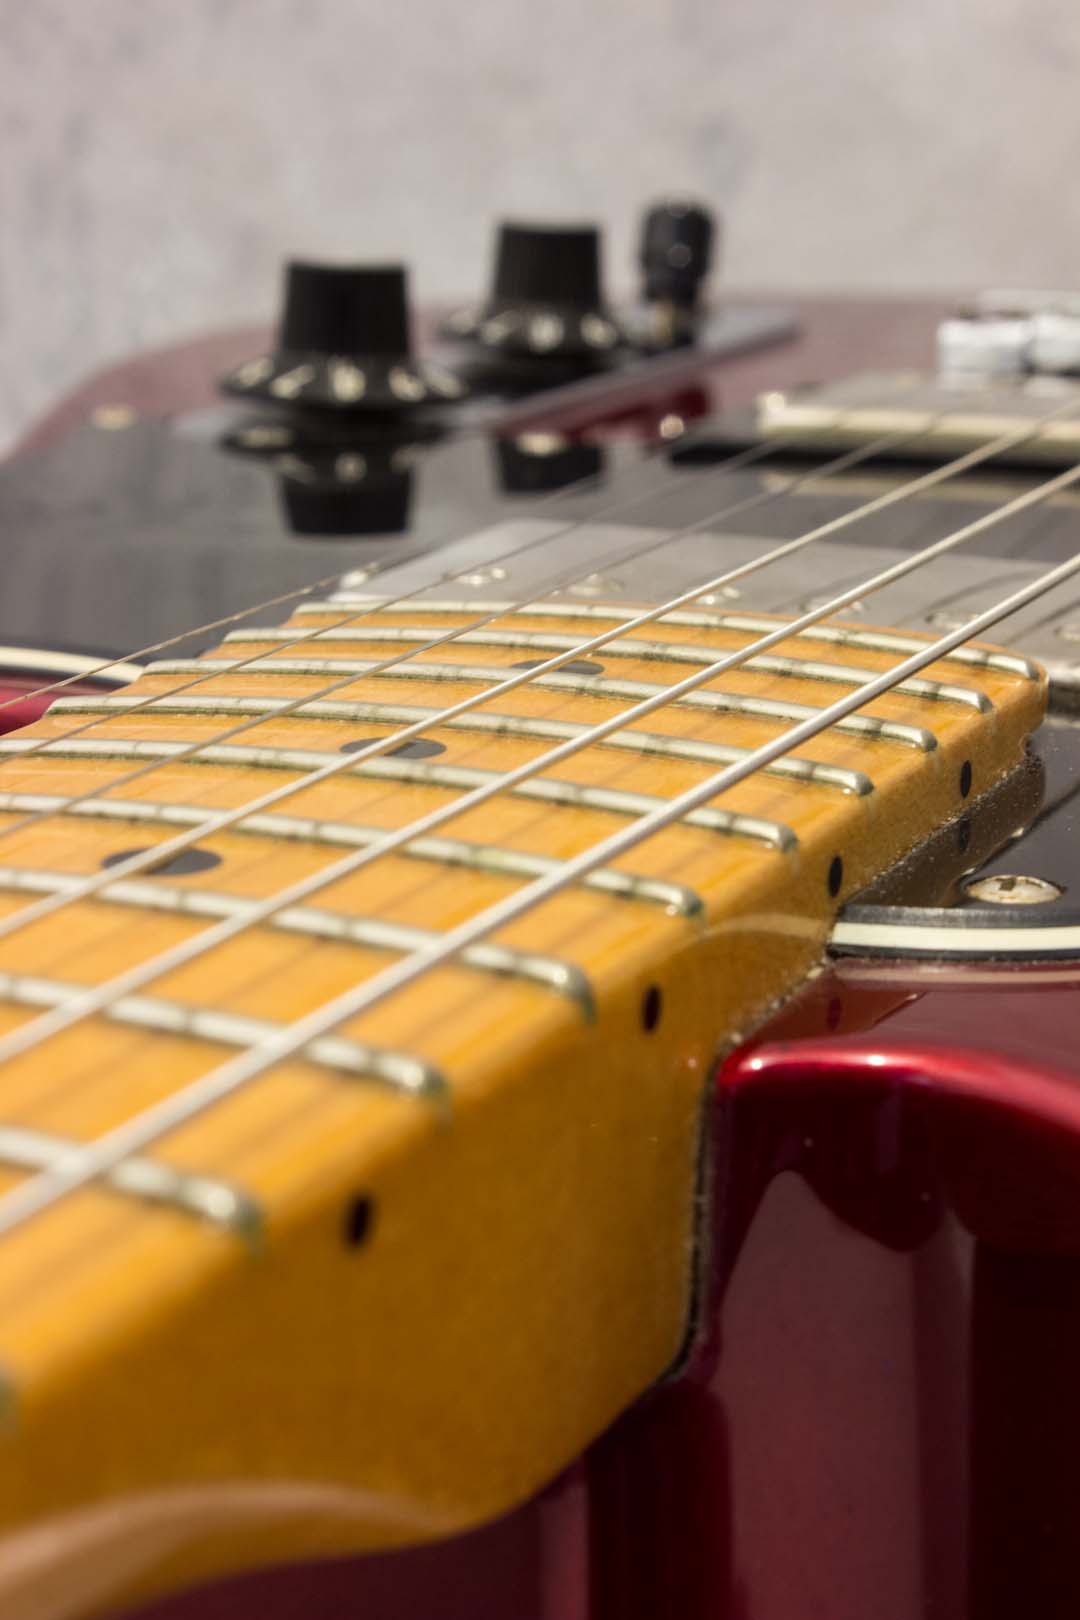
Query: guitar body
(874, 1409)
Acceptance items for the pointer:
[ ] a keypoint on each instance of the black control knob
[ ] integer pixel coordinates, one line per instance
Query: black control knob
(343, 344)
(345, 309)
(676, 253)
(546, 299)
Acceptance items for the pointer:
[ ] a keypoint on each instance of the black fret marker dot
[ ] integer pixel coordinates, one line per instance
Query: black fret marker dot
(415, 748)
(965, 779)
(358, 1219)
(651, 1007)
(576, 666)
(180, 865)
(836, 875)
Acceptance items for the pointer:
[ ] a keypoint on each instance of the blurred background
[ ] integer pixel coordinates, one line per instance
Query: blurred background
(159, 158)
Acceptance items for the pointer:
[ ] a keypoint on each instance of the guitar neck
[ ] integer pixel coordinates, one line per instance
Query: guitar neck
(477, 1193)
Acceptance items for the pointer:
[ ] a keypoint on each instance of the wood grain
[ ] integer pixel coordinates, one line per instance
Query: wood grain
(527, 1265)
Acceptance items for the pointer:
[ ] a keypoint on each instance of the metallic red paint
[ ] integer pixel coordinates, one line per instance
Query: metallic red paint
(879, 1418)
(880, 1412)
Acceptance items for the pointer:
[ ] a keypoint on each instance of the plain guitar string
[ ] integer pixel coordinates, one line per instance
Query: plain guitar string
(174, 641)
(413, 652)
(734, 463)
(386, 605)
(577, 486)
(887, 442)
(98, 998)
(154, 856)
(85, 1164)
(159, 852)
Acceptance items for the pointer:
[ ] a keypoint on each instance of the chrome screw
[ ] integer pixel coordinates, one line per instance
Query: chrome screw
(1006, 890)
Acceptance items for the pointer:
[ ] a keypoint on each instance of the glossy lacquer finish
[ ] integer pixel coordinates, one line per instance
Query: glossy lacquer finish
(880, 1412)
(882, 1416)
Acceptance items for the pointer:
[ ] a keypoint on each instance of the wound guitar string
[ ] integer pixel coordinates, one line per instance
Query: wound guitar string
(84, 1164)
(152, 857)
(99, 998)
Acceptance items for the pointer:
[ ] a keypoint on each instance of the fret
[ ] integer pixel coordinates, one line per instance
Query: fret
(493, 859)
(462, 778)
(675, 652)
(550, 1115)
(399, 1071)
(755, 708)
(374, 933)
(890, 641)
(527, 728)
(217, 1202)
(838, 635)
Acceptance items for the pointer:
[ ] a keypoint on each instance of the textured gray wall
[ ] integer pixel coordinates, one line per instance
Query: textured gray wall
(159, 157)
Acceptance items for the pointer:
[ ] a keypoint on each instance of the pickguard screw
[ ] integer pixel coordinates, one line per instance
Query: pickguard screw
(597, 585)
(1006, 890)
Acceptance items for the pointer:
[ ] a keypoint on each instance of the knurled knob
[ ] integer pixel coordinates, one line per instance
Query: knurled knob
(676, 252)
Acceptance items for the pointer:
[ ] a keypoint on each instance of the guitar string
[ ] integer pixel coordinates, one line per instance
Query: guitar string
(327, 583)
(379, 667)
(833, 468)
(738, 460)
(577, 487)
(152, 857)
(98, 998)
(84, 1164)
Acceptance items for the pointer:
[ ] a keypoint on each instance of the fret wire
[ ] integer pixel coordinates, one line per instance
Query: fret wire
(339, 927)
(494, 859)
(524, 728)
(329, 580)
(219, 1202)
(661, 652)
(839, 635)
(97, 998)
(399, 1070)
(904, 491)
(718, 702)
(653, 450)
(326, 583)
(796, 669)
(576, 486)
(833, 467)
(43, 745)
(137, 863)
(87, 1163)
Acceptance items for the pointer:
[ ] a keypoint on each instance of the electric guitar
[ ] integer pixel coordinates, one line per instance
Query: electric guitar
(539, 1024)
